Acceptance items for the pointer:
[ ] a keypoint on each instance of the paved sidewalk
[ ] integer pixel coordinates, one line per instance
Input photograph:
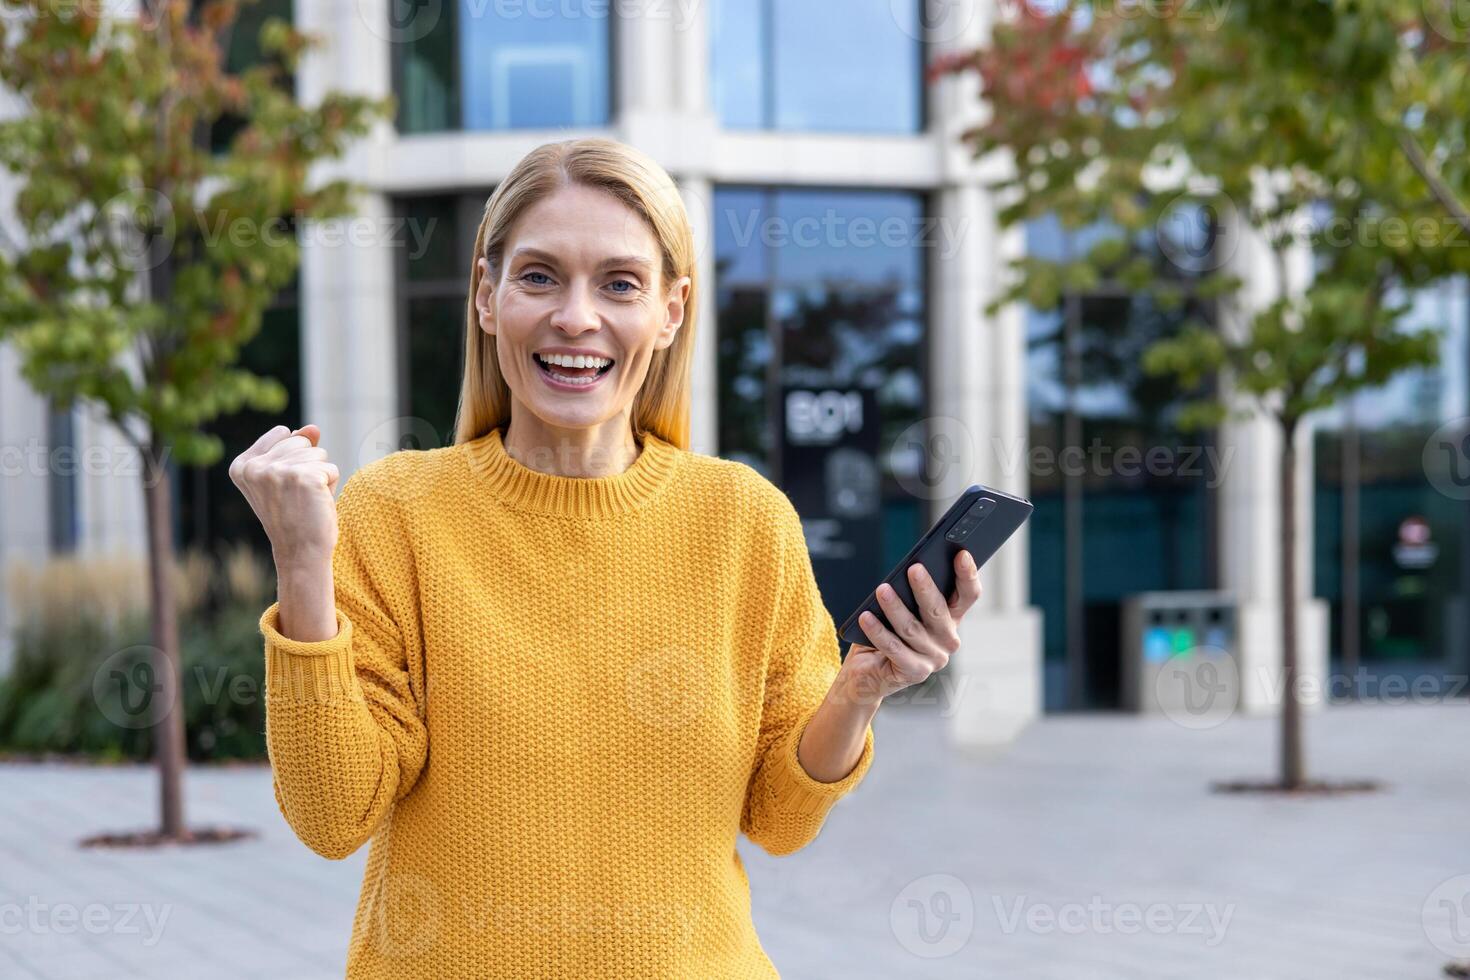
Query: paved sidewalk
(1090, 849)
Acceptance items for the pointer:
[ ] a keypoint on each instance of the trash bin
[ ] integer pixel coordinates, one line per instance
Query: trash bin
(1180, 656)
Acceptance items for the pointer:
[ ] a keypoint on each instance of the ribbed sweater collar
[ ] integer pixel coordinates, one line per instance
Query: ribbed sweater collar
(524, 488)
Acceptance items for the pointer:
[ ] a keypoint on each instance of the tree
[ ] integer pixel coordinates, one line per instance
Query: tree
(140, 261)
(1170, 129)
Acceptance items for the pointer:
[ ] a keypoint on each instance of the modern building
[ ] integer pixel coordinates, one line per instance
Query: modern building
(848, 249)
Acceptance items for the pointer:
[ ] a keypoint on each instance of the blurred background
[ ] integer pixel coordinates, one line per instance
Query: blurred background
(864, 343)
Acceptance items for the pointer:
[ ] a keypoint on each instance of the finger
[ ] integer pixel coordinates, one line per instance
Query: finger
(311, 431)
(905, 661)
(967, 584)
(904, 623)
(940, 634)
(267, 439)
(293, 448)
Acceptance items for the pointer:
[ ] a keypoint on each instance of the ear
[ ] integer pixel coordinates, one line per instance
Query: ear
(485, 297)
(676, 310)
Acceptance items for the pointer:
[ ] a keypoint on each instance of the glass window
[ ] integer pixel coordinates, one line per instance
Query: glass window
(479, 66)
(1392, 549)
(822, 324)
(1110, 472)
(433, 282)
(793, 65)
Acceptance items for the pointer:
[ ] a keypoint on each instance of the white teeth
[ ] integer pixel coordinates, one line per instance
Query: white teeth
(577, 361)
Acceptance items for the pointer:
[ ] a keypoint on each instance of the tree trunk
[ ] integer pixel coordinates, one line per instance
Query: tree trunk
(1292, 765)
(168, 706)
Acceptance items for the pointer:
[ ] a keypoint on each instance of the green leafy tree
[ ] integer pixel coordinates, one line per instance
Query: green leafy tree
(1331, 128)
(139, 260)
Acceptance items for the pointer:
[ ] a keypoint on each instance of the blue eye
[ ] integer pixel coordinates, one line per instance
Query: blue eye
(632, 286)
(530, 274)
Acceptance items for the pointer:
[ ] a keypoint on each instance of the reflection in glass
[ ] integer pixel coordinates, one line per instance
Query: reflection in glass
(1104, 442)
(807, 298)
(798, 65)
(483, 66)
(1406, 547)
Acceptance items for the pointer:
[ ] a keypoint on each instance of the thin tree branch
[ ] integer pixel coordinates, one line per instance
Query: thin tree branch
(1430, 174)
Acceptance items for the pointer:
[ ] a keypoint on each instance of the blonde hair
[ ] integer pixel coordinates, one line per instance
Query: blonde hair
(662, 404)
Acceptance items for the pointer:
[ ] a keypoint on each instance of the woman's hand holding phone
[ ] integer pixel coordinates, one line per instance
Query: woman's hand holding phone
(916, 646)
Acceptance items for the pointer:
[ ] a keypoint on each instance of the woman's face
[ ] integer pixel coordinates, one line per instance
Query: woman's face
(581, 277)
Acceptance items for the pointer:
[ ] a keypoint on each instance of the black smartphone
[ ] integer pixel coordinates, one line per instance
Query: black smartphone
(979, 522)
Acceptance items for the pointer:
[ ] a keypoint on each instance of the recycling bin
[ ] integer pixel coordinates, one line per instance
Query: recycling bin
(1179, 654)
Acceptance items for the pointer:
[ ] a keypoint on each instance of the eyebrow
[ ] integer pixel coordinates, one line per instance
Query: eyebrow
(635, 261)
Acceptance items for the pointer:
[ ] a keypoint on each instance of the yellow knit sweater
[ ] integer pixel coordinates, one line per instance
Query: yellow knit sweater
(552, 703)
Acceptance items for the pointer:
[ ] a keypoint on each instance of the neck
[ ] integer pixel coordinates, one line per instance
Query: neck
(605, 449)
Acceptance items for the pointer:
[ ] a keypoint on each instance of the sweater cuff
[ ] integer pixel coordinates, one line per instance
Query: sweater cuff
(301, 670)
(793, 787)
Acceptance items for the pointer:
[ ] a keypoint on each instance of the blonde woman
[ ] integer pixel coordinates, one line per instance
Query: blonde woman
(553, 669)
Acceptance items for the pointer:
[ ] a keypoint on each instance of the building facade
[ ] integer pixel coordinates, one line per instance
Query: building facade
(848, 247)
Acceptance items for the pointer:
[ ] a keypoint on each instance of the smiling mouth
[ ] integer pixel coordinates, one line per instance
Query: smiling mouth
(569, 375)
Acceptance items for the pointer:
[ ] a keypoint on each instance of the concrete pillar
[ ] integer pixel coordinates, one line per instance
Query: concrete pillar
(1250, 511)
(24, 485)
(349, 337)
(704, 435)
(977, 385)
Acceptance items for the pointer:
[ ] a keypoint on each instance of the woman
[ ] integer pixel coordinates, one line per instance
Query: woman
(553, 669)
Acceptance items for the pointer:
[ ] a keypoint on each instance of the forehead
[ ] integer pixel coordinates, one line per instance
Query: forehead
(583, 226)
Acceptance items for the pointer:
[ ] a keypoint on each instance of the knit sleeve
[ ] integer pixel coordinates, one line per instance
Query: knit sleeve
(785, 807)
(345, 728)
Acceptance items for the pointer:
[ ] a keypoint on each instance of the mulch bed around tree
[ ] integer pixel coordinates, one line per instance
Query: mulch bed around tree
(154, 838)
(1312, 787)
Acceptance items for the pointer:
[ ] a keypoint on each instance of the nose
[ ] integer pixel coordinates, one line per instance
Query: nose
(578, 312)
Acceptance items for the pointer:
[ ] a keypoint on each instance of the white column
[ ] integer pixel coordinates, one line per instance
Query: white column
(1250, 510)
(348, 316)
(704, 435)
(24, 484)
(112, 515)
(350, 355)
(977, 366)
